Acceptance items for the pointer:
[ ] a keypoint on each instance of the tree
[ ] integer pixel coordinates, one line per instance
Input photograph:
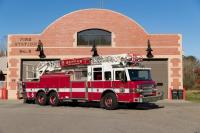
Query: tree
(190, 76)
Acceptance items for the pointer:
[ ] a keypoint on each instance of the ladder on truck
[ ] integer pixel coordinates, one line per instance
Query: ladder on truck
(46, 66)
(120, 59)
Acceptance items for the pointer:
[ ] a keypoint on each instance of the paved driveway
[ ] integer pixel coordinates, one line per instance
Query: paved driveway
(167, 117)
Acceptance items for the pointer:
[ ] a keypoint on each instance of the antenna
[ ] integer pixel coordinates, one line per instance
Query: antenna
(101, 3)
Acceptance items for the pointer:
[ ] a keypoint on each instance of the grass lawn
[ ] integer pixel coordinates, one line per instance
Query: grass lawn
(193, 95)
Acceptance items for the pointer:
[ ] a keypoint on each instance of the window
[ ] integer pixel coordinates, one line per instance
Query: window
(94, 36)
(80, 75)
(136, 75)
(77, 74)
(120, 75)
(107, 75)
(97, 73)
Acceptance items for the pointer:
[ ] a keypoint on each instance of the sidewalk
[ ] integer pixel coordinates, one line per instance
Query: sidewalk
(173, 101)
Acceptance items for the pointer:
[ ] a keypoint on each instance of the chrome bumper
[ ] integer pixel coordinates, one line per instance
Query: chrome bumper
(150, 99)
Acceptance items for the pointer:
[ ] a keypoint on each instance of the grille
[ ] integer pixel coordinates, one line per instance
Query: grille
(147, 89)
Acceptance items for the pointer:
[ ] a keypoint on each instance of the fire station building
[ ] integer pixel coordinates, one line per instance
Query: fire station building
(74, 34)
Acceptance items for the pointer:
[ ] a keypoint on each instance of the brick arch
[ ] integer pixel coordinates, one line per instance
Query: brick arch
(62, 31)
(94, 29)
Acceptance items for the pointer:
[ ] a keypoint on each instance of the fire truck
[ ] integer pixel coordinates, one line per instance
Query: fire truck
(109, 80)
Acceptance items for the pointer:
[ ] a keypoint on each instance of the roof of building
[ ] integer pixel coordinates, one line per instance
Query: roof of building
(3, 64)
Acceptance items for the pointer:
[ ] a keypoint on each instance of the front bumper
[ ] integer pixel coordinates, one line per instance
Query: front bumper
(150, 99)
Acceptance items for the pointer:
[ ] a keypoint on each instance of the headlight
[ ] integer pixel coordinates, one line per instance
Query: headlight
(138, 90)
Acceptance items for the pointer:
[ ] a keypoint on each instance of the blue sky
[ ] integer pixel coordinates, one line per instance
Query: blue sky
(156, 16)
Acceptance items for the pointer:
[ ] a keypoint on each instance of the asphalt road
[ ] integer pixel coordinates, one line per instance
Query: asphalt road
(167, 117)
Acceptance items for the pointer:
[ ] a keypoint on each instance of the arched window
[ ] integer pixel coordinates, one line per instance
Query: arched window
(90, 36)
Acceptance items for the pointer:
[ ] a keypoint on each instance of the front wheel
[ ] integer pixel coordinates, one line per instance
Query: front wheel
(53, 99)
(109, 101)
(41, 98)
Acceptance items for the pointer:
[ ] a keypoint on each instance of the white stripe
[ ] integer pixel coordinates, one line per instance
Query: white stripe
(98, 90)
(64, 90)
(34, 89)
(117, 90)
(78, 89)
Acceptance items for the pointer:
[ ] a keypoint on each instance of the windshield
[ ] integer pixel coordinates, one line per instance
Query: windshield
(136, 75)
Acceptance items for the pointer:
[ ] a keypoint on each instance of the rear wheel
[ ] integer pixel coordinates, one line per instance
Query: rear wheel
(53, 99)
(109, 101)
(41, 98)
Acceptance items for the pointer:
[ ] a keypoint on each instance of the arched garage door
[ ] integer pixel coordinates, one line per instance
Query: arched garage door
(159, 71)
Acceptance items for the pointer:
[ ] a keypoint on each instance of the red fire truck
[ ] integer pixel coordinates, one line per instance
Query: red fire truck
(106, 79)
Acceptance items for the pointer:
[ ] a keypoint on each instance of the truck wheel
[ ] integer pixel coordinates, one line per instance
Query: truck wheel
(53, 99)
(109, 101)
(41, 98)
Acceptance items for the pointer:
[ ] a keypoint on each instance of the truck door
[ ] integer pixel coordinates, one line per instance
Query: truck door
(78, 89)
(79, 84)
(108, 77)
(96, 84)
(120, 84)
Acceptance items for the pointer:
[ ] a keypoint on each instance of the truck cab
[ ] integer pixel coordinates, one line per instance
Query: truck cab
(130, 84)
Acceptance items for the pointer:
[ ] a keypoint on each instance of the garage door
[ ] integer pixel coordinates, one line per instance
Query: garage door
(28, 67)
(159, 71)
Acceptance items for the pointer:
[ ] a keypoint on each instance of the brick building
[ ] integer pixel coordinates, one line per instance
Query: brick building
(73, 34)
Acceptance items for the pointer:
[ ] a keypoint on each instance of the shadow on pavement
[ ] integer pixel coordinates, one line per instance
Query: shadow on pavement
(140, 106)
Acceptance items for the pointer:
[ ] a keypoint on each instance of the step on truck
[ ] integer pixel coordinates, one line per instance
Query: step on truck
(109, 80)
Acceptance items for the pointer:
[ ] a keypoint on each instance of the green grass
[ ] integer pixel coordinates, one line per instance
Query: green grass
(193, 96)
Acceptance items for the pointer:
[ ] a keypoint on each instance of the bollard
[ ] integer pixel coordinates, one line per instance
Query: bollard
(1, 93)
(5, 93)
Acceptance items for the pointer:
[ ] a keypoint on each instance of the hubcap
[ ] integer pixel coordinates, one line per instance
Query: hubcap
(52, 99)
(108, 102)
(41, 99)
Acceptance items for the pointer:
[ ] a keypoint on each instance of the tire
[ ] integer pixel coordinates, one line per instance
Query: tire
(109, 101)
(53, 99)
(41, 98)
